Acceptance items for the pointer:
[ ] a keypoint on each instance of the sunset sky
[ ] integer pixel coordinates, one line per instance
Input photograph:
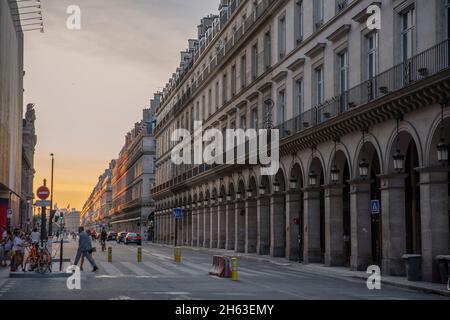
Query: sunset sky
(90, 86)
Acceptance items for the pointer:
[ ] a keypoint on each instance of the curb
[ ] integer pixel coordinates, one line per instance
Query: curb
(34, 275)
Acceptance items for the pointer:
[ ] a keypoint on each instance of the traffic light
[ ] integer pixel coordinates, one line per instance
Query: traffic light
(56, 218)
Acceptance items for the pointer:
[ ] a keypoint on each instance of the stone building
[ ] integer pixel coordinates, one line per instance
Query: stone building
(72, 220)
(11, 111)
(29, 140)
(363, 120)
(133, 176)
(95, 212)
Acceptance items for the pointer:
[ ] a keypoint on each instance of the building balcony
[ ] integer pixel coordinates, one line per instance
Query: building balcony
(410, 75)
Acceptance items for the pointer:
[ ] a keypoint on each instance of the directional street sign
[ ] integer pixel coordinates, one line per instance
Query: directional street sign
(43, 193)
(42, 203)
(375, 206)
(177, 213)
(9, 213)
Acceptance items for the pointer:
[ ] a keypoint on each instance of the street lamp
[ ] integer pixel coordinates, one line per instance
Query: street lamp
(364, 169)
(262, 190)
(229, 197)
(335, 172)
(249, 193)
(399, 161)
(293, 183)
(276, 186)
(238, 195)
(313, 179)
(220, 199)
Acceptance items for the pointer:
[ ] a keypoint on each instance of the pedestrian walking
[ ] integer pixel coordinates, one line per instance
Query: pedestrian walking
(18, 249)
(85, 249)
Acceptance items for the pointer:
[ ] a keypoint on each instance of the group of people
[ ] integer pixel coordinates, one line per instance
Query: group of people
(12, 246)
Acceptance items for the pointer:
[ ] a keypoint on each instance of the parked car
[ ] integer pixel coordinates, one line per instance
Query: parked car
(133, 238)
(112, 235)
(121, 236)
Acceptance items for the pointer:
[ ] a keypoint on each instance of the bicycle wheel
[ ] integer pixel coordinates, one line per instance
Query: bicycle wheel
(45, 263)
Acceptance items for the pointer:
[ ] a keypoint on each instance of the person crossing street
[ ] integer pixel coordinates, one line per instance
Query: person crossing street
(85, 249)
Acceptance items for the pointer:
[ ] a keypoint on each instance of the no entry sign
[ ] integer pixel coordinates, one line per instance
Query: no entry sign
(43, 193)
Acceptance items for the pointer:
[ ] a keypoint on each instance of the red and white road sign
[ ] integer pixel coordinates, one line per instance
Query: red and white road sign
(43, 193)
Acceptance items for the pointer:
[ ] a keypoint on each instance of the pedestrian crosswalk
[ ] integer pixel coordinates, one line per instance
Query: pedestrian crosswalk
(159, 267)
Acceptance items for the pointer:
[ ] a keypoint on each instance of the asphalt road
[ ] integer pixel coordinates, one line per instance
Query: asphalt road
(158, 277)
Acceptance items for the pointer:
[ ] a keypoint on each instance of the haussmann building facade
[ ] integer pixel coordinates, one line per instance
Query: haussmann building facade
(364, 128)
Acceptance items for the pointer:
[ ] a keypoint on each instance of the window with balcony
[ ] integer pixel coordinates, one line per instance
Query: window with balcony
(254, 62)
(343, 71)
(298, 21)
(281, 102)
(282, 37)
(298, 96)
(372, 55)
(318, 85)
(318, 14)
(267, 50)
(210, 102)
(408, 27)
(243, 71)
(217, 96)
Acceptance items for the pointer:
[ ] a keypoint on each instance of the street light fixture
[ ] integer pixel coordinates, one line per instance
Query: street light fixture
(313, 179)
(399, 159)
(238, 195)
(335, 174)
(229, 197)
(293, 183)
(276, 186)
(262, 190)
(249, 193)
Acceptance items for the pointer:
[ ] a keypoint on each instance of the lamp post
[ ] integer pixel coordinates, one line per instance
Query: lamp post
(50, 222)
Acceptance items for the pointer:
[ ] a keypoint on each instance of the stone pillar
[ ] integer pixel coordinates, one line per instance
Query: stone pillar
(186, 227)
(221, 226)
(293, 211)
(360, 221)
(206, 226)
(239, 228)
(194, 228)
(166, 229)
(334, 226)
(263, 225)
(311, 248)
(200, 227)
(393, 224)
(278, 226)
(230, 226)
(434, 208)
(250, 225)
(213, 226)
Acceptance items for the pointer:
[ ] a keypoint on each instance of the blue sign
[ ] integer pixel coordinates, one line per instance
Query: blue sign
(375, 206)
(177, 213)
(9, 213)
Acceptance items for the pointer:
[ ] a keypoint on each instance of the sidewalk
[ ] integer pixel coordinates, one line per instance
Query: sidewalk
(319, 269)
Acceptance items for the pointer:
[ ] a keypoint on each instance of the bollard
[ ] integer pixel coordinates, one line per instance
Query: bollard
(109, 254)
(234, 270)
(139, 254)
(177, 254)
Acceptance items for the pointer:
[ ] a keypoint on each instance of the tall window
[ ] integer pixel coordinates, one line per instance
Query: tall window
(205, 116)
(210, 101)
(298, 98)
(254, 62)
(267, 50)
(282, 37)
(225, 88)
(217, 96)
(318, 81)
(408, 27)
(298, 21)
(281, 106)
(343, 71)
(243, 71)
(318, 14)
(233, 80)
(243, 122)
(372, 55)
(254, 118)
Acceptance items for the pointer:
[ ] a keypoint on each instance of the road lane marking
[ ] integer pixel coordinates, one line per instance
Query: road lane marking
(196, 266)
(137, 270)
(179, 267)
(110, 269)
(158, 268)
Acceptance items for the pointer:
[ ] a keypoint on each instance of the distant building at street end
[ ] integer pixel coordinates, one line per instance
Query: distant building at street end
(72, 220)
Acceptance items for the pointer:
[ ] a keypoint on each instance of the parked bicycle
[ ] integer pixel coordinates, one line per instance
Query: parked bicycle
(39, 259)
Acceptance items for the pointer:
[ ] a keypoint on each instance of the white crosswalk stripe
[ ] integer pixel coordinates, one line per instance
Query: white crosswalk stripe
(110, 269)
(179, 267)
(159, 268)
(137, 270)
(204, 270)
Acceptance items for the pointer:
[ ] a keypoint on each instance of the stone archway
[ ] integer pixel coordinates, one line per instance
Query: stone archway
(251, 216)
(263, 217)
(278, 216)
(240, 218)
(230, 234)
(295, 215)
